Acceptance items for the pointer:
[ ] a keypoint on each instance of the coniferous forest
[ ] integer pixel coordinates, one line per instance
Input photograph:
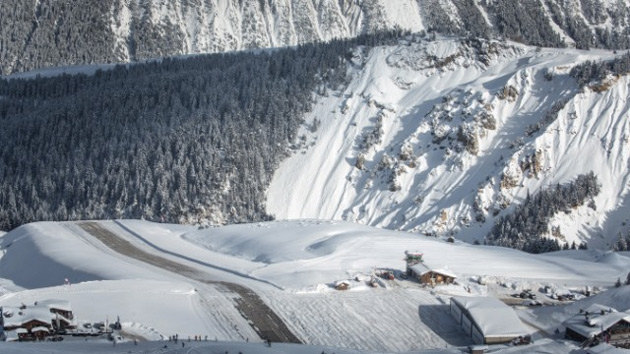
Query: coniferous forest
(524, 228)
(171, 140)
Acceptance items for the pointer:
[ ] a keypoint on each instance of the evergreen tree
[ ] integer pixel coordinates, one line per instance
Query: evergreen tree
(621, 244)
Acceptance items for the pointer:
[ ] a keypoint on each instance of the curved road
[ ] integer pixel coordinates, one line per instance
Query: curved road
(262, 318)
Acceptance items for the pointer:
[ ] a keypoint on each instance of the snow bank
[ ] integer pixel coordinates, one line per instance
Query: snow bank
(165, 347)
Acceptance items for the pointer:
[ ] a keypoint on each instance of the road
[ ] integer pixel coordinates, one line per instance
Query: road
(261, 317)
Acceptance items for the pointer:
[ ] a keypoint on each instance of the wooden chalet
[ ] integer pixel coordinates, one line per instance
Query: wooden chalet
(433, 276)
(61, 314)
(36, 322)
(40, 332)
(30, 327)
(599, 324)
(342, 285)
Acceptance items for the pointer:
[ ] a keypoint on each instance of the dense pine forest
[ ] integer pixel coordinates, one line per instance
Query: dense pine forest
(593, 73)
(187, 139)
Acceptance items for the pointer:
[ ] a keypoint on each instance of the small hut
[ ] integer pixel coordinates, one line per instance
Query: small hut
(433, 276)
(413, 257)
(342, 285)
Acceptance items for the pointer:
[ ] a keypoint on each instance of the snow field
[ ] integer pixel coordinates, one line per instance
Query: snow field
(321, 252)
(151, 309)
(394, 320)
(303, 258)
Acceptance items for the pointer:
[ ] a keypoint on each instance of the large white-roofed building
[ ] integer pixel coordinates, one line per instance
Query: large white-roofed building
(487, 319)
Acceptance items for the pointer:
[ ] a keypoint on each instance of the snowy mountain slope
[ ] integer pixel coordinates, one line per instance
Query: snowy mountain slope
(36, 34)
(54, 245)
(42, 34)
(295, 255)
(440, 137)
(305, 257)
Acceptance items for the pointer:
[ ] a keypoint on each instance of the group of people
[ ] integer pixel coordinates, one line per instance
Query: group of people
(198, 338)
(174, 338)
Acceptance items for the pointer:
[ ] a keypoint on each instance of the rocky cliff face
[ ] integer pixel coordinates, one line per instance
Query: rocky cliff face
(444, 137)
(46, 33)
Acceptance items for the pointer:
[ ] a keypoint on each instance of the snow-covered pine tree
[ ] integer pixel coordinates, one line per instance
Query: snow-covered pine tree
(620, 244)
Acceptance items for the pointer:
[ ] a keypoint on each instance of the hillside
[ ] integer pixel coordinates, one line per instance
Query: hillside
(292, 266)
(444, 137)
(439, 136)
(193, 139)
(45, 33)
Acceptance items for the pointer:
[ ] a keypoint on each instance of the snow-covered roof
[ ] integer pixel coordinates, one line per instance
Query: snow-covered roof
(41, 311)
(492, 316)
(422, 269)
(414, 253)
(30, 313)
(605, 348)
(39, 329)
(599, 319)
(62, 305)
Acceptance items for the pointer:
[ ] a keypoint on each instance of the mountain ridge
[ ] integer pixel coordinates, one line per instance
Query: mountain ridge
(43, 33)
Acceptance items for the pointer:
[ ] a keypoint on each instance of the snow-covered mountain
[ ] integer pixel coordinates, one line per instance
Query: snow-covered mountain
(443, 137)
(437, 135)
(46, 33)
